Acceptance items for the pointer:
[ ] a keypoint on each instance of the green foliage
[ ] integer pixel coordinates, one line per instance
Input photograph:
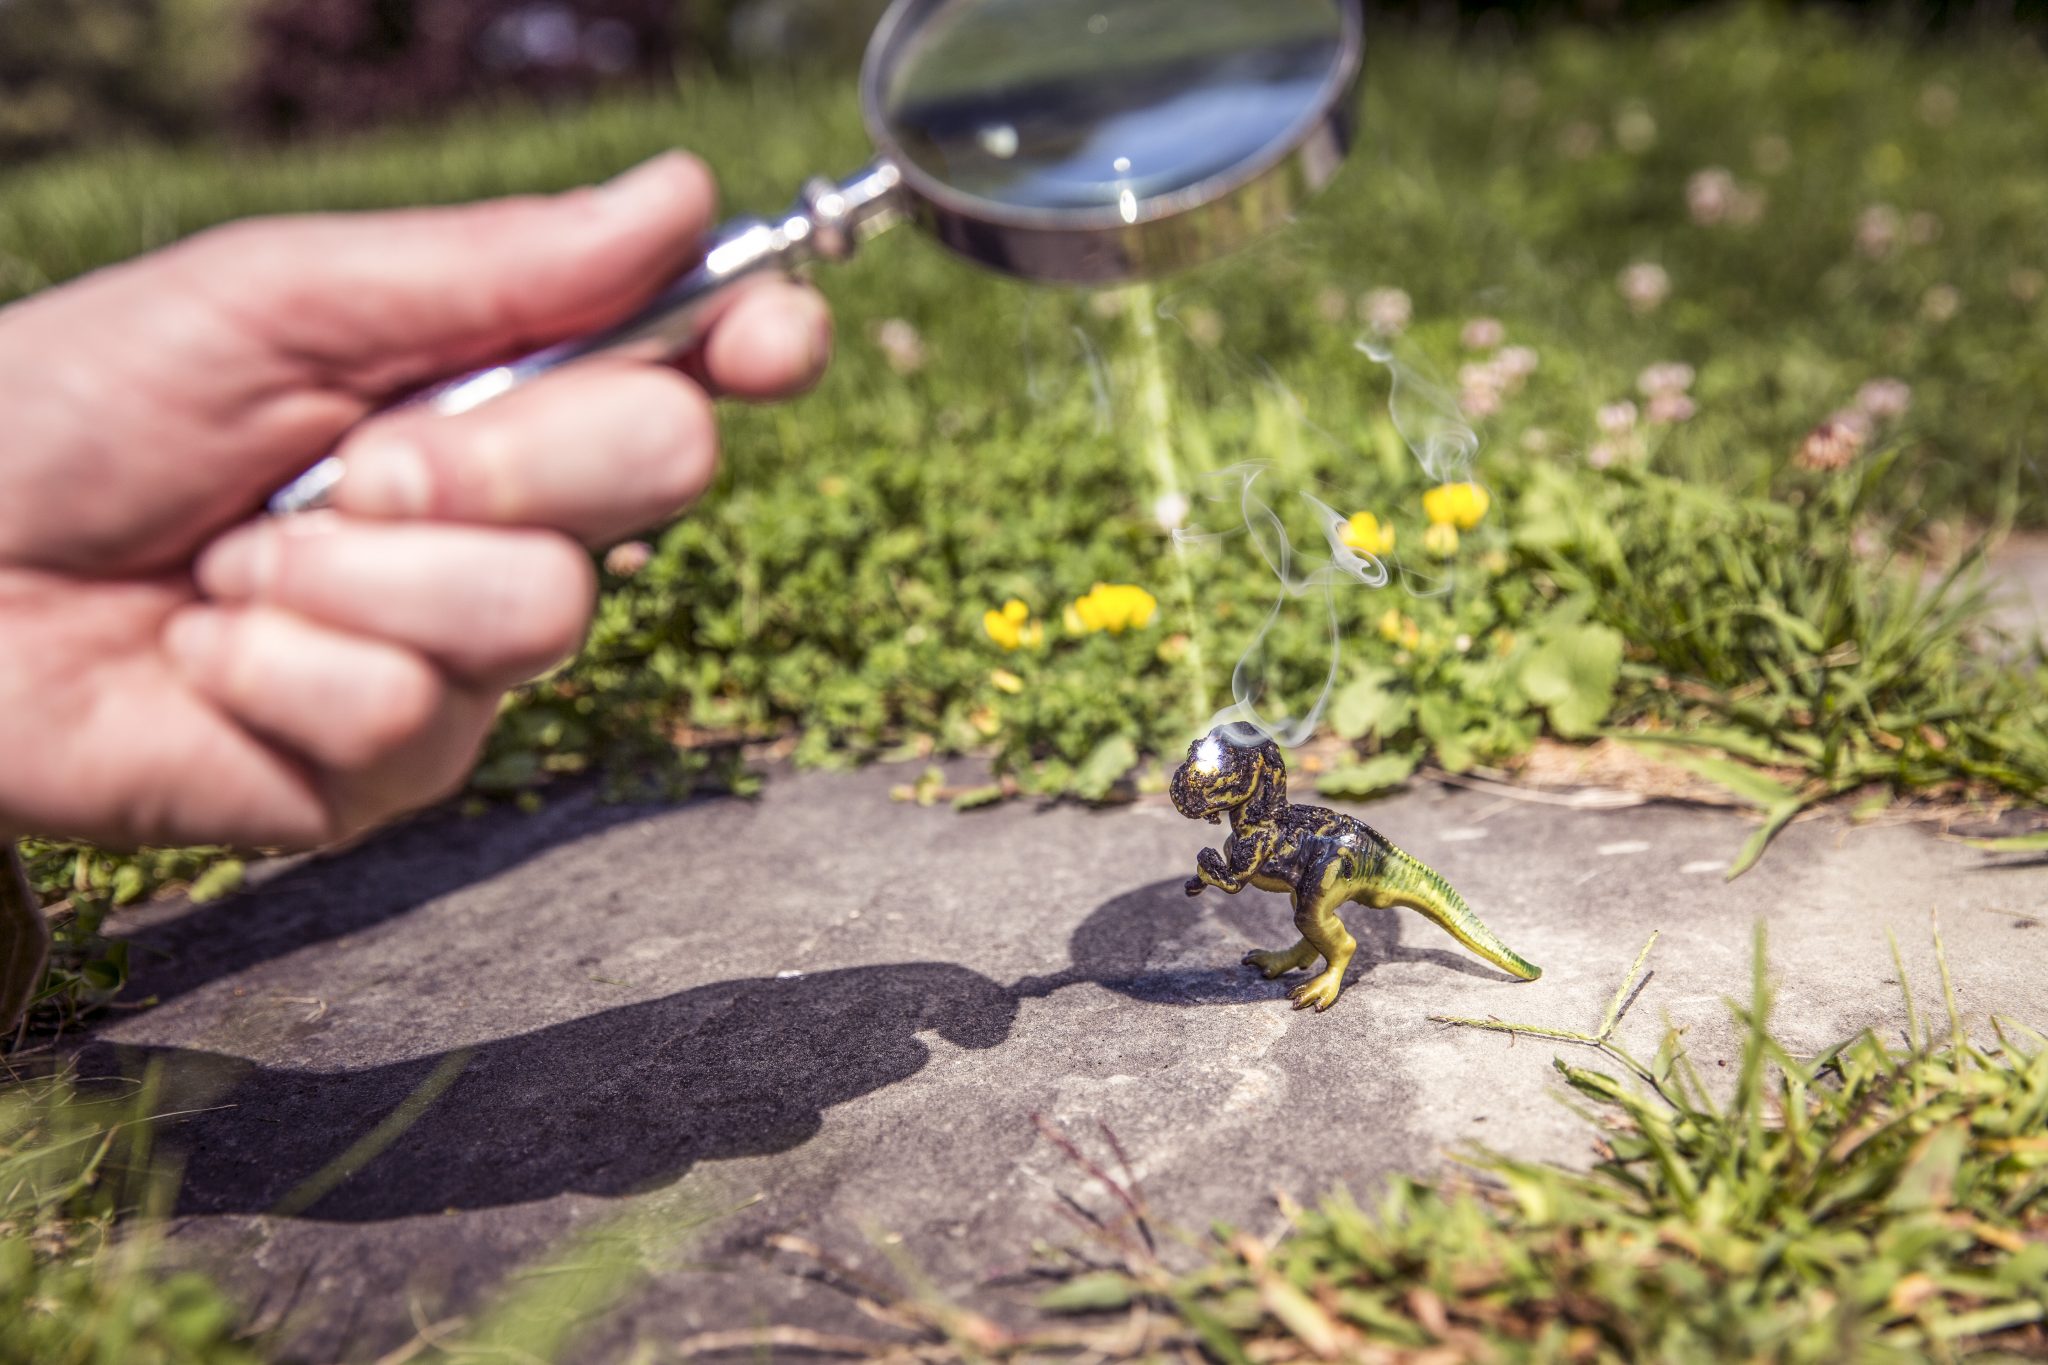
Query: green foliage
(71, 1292)
(76, 71)
(1794, 633)
(81, 887)
(1571, 675)
(1368, 778)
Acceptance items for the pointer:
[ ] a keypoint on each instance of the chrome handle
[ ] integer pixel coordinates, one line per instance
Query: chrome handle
(827, 222)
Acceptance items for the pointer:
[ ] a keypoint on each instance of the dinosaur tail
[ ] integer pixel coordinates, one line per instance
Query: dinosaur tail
(1416, 884)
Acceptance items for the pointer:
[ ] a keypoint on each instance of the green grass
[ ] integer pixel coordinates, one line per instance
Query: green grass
(73, 1288)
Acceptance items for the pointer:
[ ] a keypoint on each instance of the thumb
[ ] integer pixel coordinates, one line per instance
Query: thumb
(377, 302)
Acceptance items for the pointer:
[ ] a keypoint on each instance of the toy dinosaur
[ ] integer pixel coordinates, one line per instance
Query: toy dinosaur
(1323, 858)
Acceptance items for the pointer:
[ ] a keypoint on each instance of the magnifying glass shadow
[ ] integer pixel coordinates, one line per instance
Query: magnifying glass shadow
(631, 1099)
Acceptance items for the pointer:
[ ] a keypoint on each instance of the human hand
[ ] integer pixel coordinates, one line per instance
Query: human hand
(174, 672)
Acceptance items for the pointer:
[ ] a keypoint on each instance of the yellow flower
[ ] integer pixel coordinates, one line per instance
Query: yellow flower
(1007, 626)
(1006, 681)
(1441, 539)
(1114, 607)
(1397, 629)
(1364, 534)
(1461, 505)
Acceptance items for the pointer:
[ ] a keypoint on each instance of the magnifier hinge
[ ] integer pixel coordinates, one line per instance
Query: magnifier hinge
(843, 215)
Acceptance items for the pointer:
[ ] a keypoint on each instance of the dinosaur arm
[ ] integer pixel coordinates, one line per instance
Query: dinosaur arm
(1243, 854)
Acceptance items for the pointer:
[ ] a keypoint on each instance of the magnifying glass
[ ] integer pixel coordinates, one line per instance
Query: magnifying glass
(1065, 141)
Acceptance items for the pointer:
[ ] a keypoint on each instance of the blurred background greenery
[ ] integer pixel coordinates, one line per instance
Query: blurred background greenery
(78, 72)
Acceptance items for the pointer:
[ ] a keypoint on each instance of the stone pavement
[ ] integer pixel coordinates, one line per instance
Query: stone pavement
(828, 1013)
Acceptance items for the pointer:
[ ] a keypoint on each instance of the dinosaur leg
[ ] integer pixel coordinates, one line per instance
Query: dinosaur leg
(1281, 961)
(1315, 914)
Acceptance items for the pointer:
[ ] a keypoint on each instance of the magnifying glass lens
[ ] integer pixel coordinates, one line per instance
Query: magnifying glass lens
(1083, 104)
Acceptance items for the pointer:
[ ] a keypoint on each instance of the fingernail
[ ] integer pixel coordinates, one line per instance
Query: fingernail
(239, 565)
(386, 478)
(643, 188)
(195, 639)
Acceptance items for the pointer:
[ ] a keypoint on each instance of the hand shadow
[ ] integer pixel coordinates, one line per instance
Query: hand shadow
(611, 1104)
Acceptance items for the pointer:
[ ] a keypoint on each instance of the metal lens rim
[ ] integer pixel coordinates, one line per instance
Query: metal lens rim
(898, 29)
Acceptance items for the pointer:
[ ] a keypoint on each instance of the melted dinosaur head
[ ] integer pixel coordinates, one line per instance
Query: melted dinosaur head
(1222, 774)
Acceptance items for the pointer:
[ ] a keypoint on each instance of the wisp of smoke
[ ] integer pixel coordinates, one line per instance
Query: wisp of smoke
(1242, 720)
(1427, 417)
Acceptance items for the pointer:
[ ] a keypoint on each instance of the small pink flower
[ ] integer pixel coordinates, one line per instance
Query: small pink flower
(1669, 409)
(627, 558)
(1483, 334)
(1386, 311)
(1479, 402)
(1617, 419)
(1516, 362)
(900, 344)
(1477, 375)
(1708, 195)
(1644, 285)
(1603, 455)
(1669, 376)
(1877, 231)
(1536, 440)
(1853, 420)
(1830, 447)
(1885, 398)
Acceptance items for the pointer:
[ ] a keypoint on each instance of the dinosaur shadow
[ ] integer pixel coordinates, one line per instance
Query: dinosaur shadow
(1162, 946)
(631, 1099)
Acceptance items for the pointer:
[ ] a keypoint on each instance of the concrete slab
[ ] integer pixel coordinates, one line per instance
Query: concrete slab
(828, 1013)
